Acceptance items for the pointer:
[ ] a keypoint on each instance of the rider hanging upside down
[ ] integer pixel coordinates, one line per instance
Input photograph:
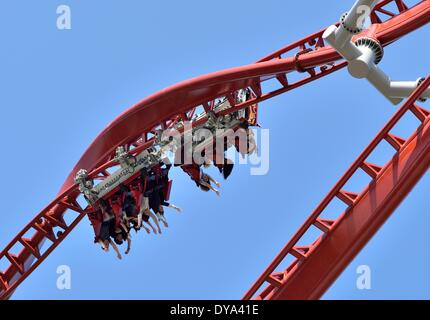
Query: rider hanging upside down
(163, 191)
(158, 184)
(107, 228)
(145, 212)
(224, 165)
(130, 208)
(122, 233)
(151, 194)
(202, 180)
(250, 145)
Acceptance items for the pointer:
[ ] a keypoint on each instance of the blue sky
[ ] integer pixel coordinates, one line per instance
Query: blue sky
(59, 89)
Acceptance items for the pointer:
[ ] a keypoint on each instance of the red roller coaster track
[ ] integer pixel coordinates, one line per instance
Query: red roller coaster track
(316, 266)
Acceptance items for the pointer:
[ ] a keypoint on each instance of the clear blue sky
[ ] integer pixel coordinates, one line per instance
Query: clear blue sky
(59, 89)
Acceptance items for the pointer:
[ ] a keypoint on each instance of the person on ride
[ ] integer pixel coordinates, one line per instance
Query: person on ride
(145, 213)
(107, 229)
(136, 191)
(122, 233)
(163, 192)
(116, 204)
(250, 145)
(202, 180)
(164, 203)
(219, 159)
(155, 185)
(130, 208)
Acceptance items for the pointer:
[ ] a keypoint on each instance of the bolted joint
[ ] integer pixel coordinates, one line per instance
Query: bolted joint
(372, 53)
(352, 30)
(372, 44)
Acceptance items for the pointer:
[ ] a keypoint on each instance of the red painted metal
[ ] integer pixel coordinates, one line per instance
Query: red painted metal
(134, 127)
(313, 271)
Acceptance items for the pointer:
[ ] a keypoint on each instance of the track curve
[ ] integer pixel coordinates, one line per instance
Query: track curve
(181, 97)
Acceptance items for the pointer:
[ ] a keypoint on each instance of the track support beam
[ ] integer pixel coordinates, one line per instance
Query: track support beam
(310, 276)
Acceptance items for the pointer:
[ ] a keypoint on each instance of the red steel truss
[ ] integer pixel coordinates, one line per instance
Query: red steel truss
(318, 265)
(312, 59)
